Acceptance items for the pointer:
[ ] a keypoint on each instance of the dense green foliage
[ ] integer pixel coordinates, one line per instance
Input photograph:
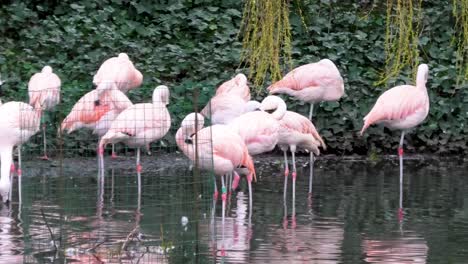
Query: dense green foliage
(194, 45)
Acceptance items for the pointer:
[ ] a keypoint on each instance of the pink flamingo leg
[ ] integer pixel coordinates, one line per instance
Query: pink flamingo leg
(311, 175)
(286, 173)
(311, 111)
(223, 197)
(400, 154)
(101, 159)
(235, 181)
(249, 181)
(113, 155)
(294, 174)
(45, 157)
(138, 165)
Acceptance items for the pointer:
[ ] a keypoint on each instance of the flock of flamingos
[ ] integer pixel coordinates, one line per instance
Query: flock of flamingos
(240, 127)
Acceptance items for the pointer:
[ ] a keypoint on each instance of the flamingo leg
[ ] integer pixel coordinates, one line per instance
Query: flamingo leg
(19, 174)
(223, 196)
(215, 195)
(101, 160)
(45, 157)
(138, 165)
(311, 111)
(311, 175)
(400, 154)
(249, 182)
(113, 154)
(286, 173)
(294, 177)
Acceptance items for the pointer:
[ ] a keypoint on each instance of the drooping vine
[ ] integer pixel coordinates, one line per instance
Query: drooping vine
(266, 40)
(401, 38)
(460, 11)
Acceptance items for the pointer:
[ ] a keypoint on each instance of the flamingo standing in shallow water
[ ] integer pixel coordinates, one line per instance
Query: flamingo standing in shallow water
(402, 107)
(140, 124)
(44, 93)
(18, 122)
(219, 149)
(88, 113)
(296, 132)
(312, 83)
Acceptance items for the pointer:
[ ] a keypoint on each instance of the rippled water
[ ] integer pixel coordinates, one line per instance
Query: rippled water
(352, 216)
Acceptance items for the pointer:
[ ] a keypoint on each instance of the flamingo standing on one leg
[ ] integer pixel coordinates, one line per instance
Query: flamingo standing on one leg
(90, 114)
(219, 149)
(44, 93)
(141, 124)
(296, 132)
(312, 83)
(18, 122)
(122, 73)
(402, 107)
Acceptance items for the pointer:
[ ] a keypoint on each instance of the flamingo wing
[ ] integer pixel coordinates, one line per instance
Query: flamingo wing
(293, 121)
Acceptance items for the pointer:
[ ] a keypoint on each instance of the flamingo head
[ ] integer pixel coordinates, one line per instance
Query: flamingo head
(274, 105)
(241, 79)
(192, 123)
(161, 95)
(252, 106)
(47, 69)
(422, 75)
(123, 56)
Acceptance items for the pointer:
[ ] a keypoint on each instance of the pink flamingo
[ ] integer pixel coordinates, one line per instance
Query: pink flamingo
(219, 149)
(236, 86)
(19, 122)
(88, 113)
(140, 124)
(44, 93)
(223, 108)
(296, 132)
(312, 83)
(120, 71)
(402, 107)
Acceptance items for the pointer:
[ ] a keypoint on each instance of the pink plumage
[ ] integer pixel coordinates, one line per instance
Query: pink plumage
(312, 83)
(401, 107)
(120, 71)
(44, 89)
(236, 86)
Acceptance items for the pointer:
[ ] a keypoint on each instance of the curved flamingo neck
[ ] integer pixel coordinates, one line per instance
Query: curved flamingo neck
(421, 77)
(280, 111)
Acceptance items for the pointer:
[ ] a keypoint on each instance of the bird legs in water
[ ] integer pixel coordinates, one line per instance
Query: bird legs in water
(45, 157)
(311, 111)
(286, 172)
(138, 164)
(113, 154)
(400, 155)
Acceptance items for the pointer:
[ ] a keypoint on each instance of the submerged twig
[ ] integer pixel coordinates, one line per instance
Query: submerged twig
(48, 227)
(128, 239)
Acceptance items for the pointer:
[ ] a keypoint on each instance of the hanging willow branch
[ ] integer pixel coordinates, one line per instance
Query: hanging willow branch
(266, 38)
(401, 37)
(460, 11)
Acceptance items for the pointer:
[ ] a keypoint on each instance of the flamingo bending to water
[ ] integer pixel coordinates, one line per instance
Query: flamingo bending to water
(219, 149)
(44, 93)
(402, 107)
(89, 112)
(141, 124)
(18, 122)
(296, 132)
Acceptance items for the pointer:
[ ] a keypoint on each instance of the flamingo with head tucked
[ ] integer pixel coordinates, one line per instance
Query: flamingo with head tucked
(44, 93)
(18, 122)
(140, 124)
(402, 107)
(236, 86)
(296, 132)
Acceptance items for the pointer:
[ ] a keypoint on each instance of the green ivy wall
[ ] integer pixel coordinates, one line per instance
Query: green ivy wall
(194, 45)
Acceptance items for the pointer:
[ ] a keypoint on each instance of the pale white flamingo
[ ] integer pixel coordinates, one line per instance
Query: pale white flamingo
(402, 107)
(236, 86)
(18, 122)
(89, 112)
(223, 108)
(219, 150)
(140, 124)
(312, 83)
(120, 71)
(296, 132)
(44, 93)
